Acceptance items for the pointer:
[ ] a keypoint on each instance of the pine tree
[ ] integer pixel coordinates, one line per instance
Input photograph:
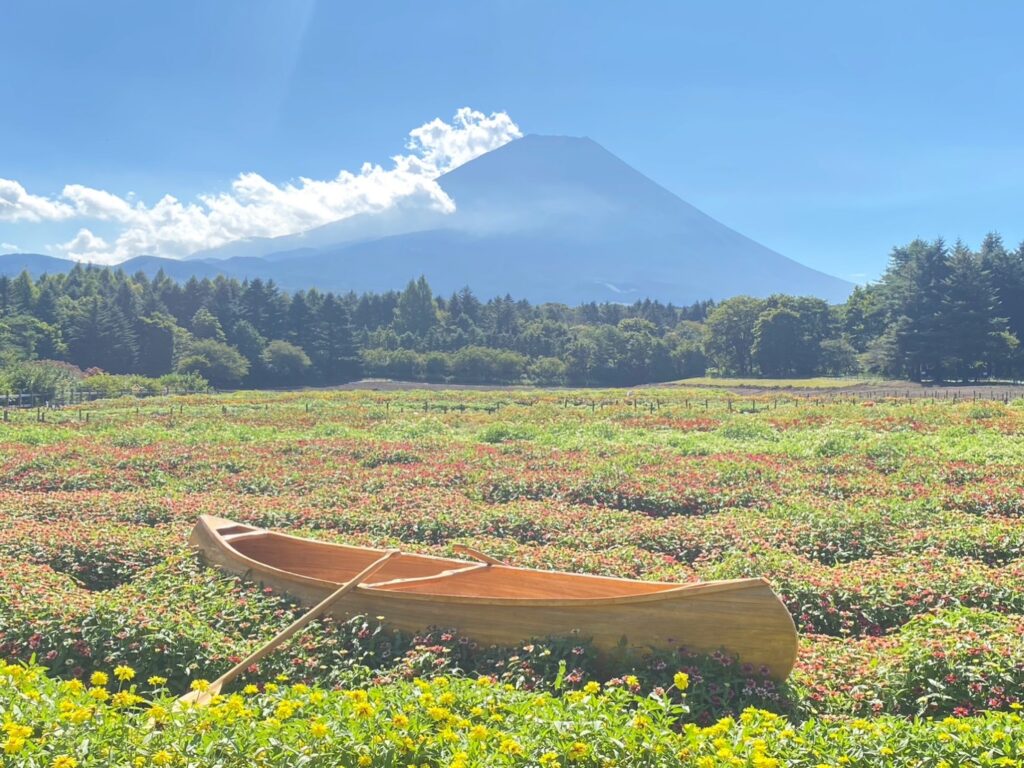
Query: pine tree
(416, 313)
(99, 335)
(331, 345)
(915, 282)
(973, 337)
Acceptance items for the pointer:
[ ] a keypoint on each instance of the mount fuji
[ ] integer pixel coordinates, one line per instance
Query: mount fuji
(545, 218)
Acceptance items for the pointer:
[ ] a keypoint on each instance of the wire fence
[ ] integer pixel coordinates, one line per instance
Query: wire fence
(643, 399)
(68, 396)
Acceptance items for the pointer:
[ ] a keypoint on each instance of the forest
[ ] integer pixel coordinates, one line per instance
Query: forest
(938, 313)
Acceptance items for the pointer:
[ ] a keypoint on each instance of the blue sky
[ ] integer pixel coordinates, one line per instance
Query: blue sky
(829, 132)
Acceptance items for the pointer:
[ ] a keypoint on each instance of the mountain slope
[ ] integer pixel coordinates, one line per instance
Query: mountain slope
(553, 218)
(36, 264)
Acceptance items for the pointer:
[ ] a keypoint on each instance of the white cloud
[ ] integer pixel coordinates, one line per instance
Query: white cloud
(16, 204)
(85, 246)
(256, 207)
(9, 248)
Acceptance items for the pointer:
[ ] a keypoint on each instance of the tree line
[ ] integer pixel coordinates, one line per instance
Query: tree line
(937, 313)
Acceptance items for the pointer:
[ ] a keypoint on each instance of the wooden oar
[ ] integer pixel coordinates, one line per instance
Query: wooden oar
(202, 698)
(477, 554)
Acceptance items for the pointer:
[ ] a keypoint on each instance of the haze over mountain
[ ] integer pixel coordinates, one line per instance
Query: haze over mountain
(546, 218)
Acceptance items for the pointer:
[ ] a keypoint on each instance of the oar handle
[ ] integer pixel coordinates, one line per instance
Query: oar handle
(303, 620)
(478, 555)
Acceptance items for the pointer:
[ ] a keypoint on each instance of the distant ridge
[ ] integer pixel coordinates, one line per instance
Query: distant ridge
(545, 218)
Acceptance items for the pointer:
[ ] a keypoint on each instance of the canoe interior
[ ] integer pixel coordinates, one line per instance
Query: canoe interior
(503, 581)
(333, 562)
(337, 563)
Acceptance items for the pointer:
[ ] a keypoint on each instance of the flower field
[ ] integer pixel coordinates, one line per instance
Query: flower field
(893, 531)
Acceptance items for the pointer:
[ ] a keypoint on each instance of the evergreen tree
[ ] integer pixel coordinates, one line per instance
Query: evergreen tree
(916, 282)
(972, 336)
(205, 325)
(332, 349)
(99, 335)
(416, 313)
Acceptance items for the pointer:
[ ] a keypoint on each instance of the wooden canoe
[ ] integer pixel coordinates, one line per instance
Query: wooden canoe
(503, 605)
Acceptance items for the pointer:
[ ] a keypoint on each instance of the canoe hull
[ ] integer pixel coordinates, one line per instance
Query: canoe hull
(744, 618)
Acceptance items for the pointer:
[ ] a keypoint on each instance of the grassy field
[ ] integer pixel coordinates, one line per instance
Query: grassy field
(893, 531)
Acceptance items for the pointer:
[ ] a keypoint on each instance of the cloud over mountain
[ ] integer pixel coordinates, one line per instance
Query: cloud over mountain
(257, 207)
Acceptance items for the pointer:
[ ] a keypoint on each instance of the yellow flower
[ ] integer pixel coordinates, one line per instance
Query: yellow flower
(550, 760)
(592, 687)
(318, 730)
(578, 751)
(163, 757)
(365, 760)
(200, 685)
(124, 673)
(478, 733)
(459, 760)
(14, 745)
(510, 747)
(400, 721)
(74, 686)
(437, 713)
(156, 681)
(250, 690)
(286, 709)
(64, 761)
(99, 678)
(363, 710)
(681, 681)
(100, 694)
(124, 699)
(17, 731)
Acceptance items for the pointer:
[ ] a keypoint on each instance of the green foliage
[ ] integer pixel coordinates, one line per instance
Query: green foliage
(286, 362)
(218, 363)
(43, 377)
(936, 314)
(729, 334)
